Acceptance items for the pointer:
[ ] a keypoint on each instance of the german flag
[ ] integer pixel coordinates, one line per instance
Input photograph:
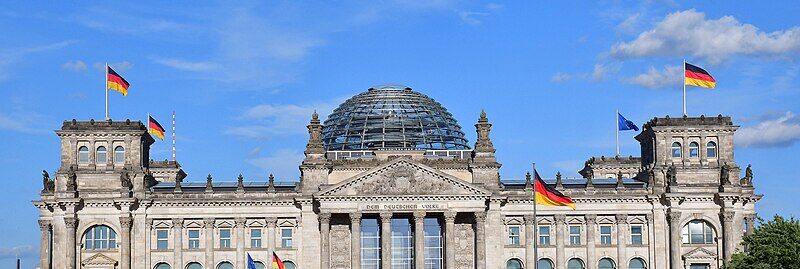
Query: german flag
(696, 76)
(155, 128)
(276, 262)
(116, 82)
(546, 195)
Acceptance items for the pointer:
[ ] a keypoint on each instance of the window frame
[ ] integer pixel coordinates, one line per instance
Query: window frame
(108, 240)
(644, 263)
(608, 236)
(97, 154)
(165, 239)
(640, 235)
(285, 239)
(574, 239)
(694, 150)
(581, 262)
(707, 233)
(711, 147)
(548, 261)
(83, 151)
(194, 243)
(544, 238)
(225, 242)
(613, 263)
(255, 241)
(513, 239)
(119, 159)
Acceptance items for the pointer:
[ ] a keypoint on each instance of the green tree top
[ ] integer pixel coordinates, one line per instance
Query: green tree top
(773, 245)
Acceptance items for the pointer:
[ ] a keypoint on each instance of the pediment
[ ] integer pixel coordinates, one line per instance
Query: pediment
(99, 259)
(700, 253)
(402, 177)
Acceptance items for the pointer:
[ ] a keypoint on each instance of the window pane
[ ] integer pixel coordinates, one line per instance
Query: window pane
(119, 154)
(676, 150)
(605, 263)
(514, 264)
(83, 154)
(636, 263)
(545, 264)
(101, 155)
(711, 150)
(575, 264)
(694, 149)
(370, 244)
(289, 265)
(194, 265)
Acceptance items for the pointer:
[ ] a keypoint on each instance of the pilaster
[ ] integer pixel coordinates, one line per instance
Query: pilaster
(675, 239)
(44, 244)
(561, 229)
(325, 228)
(419, 239)
(450, 239)
(240, 239)
(530, 224)
(208, 225)
(272, 222)
(386, 239)
(355, 240)
(177, 235)
(480, 239)
(70, 223)
(728, 234)
(622, 231)
(591, 226)
(125, 223)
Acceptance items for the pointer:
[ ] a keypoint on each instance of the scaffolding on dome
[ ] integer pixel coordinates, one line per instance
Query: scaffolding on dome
(392, 117)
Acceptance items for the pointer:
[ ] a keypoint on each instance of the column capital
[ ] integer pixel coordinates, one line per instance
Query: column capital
(529, 219)
(419, 216)
(272, 222)
(355, 217)
(239, 222)
(44, 224)
(727, 216)
(591, 219)
(750, 217)
(560, 218)
(325, 217)
(622, 218)
(480, 216)
(386, 217)
(177, 223)
(674, 217)
(125, 223)
(71, 222)
(450, 216)
(208, 222)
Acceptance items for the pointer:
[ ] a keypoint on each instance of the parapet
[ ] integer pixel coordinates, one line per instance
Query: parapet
(689, 121)
(105, 125)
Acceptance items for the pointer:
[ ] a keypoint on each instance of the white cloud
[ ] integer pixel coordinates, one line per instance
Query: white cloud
(75, 66)
(9, 59)
(181, 64)
(119, 66)
(269, 120)
(18, 251)
(560, 77)
(281, 163)
(776, 132)
(668, 77)
(472, 17)
(21, 122)
(690, 33)
(629, 24)
(599, 72)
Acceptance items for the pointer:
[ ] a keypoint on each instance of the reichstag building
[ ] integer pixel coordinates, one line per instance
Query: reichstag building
(389, 181)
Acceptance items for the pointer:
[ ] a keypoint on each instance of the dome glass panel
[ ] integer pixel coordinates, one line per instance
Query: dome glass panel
(392, 117)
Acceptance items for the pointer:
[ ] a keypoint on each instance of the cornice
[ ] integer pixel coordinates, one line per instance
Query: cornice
(220, 203)
(395, 198)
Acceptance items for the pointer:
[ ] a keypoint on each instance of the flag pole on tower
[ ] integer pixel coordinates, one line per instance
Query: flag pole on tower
(683, 81)
(105, 78)
(535, 226)
(173, 135)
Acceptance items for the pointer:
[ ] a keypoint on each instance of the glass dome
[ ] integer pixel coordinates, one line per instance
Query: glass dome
(392, 116)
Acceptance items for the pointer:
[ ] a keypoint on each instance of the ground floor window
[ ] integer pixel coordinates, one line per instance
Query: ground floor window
(162, 266)
(606, 263)
(370, 244)
(433, 243)
(636, 263)
(575, 263)
(402, 244)
(545, 264)
(194, 265)
(514, 264)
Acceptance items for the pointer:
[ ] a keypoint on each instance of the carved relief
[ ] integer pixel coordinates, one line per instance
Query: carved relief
(340, 247)
(404, 179)
(465, 245)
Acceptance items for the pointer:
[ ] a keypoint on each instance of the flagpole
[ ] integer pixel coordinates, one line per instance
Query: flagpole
(106, 90)
(173, 135)
(683, 81)
(535, 224)
(616, 124)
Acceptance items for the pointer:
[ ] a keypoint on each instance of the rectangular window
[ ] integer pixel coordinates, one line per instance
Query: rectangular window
(434, 256)
(402, 244)
(513, 235)
(544, 235)
(255, 238)
(636, 234)
(574, 235)
(370, 244)
(699, 266)
(194, 239)
(162, 239)
(225, 238)
(605, 234)
(286, 237)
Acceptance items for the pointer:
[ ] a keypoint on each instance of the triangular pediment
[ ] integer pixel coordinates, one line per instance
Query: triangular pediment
(699, 253)
(402, 177)
(99, 259)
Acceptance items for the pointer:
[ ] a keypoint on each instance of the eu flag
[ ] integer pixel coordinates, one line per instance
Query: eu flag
(250, 263)
(624, 124)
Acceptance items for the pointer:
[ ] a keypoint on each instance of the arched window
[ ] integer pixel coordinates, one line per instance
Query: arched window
(606, 263)
(100, 157)
(194, 265)
(545, 264)
(289, 265)
(636, 263)
(676, 150)
(100, 237)
(514, 264)
(119, 155)
(575, 263)
(711, 149)
(694, 150)
(162, 265)
(83, 154)
(260, 265)
(697, 232)
(225, 265)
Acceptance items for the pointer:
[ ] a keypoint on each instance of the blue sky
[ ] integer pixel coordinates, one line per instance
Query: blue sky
(244, 78)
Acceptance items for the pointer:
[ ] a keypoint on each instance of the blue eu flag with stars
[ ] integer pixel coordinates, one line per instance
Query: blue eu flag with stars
(250, 263)
(624, 124)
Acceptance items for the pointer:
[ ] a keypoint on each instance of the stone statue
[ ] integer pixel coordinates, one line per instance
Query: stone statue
(724, 174)
(748, 176)
(125, 179)
(72, 179)
(48, 185)
(672, 174)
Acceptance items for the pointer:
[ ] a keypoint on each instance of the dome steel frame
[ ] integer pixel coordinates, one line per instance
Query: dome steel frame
(392, 117)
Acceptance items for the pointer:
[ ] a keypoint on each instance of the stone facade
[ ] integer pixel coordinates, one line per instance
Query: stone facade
(643, 213)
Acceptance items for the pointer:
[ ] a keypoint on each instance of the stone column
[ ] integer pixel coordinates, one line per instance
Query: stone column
(272, 222)
(240, 238)
(386, 240)
(208, 224)
(44, 244)
(419, 239)
(591, 226)
(450, 238)
(561, 228)
(177, 244)
(675, 240)
(355, 240)
(71, 223)
(125, 224)
(750, 224)
(530, 224)
(622, 230)
(728, 234)
(325, 228)
(480, 239)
